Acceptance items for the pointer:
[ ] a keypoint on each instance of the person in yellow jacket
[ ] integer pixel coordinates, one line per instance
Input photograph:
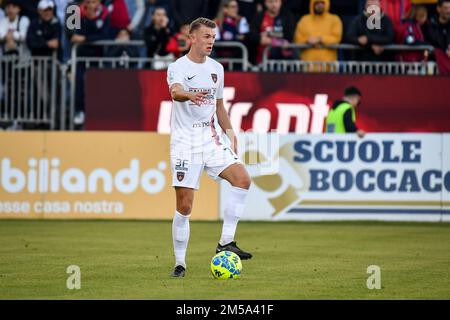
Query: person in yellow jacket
(317, 28)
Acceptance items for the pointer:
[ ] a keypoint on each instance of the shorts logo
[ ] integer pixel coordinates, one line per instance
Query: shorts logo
(180, 176)
(214, 77)
(181, 165)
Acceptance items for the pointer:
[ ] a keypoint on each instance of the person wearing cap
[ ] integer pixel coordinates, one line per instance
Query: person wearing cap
(13, 29)
(44, 33)
(342, 115)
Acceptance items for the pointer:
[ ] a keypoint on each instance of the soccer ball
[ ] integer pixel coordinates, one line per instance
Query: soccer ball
(226, 265)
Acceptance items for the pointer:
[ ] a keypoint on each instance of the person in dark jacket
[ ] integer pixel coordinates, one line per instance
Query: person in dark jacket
(44, 33)
(409, 32)
(188, 10)
(29, 8)
(437, 33)
(342, 115)
(273, 26)
(94, 27)
(371, 39)
(157, 35)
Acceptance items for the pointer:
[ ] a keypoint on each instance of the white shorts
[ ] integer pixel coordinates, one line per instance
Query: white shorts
(187, 167)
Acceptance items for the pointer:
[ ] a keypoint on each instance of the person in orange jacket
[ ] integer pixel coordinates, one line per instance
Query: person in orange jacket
(317, 28)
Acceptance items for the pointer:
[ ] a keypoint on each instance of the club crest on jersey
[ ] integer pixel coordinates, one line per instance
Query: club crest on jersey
(214, 77)
(180, 176)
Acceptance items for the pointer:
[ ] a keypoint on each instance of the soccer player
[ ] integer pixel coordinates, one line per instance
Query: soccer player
(196, 85)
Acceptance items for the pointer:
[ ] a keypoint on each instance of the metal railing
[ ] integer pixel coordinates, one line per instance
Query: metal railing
(42, 91)
(28, 90)
(349, 67)
(241, 60)
(138, 62)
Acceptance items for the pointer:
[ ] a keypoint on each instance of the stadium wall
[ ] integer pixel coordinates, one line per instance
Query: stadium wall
(263, 102)
(92, 175)
(401, 177)
(126, 175)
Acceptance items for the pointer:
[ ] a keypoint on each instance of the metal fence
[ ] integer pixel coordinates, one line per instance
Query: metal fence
(28, 91)
(350, 67)
(40, 92)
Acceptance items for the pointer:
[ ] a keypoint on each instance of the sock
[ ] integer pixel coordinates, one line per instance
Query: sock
(233, 211)
(180, 235)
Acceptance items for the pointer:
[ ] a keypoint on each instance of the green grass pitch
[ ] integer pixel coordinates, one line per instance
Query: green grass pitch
(292, 260)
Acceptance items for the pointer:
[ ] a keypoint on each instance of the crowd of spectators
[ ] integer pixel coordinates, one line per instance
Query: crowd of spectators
(39, 27)
(47, 27)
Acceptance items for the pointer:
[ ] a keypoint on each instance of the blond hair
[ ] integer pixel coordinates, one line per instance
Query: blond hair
(197, 23)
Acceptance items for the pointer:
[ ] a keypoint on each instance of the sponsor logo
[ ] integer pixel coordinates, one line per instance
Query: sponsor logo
(201, 124)
(309, 117)
(45, 176)
(190, 78)
(331, 175)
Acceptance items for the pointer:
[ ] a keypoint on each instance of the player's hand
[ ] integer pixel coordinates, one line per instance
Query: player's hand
(198, 97)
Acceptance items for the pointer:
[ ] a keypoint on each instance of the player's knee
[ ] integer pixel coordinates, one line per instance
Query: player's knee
(185, 208)
(243, 182)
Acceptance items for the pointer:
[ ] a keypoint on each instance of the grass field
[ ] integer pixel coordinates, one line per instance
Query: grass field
(132, 260)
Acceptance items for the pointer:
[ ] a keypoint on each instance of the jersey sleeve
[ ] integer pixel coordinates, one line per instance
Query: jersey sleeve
(174, 75)
(221, 83)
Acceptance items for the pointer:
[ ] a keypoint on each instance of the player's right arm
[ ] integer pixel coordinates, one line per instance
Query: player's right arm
(179, 94)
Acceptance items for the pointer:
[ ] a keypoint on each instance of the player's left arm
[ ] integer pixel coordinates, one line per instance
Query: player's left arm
(225, 123)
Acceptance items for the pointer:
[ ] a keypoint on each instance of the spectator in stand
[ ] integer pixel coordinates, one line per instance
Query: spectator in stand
(371, 39)
(410, 33)
(60, 13)
(43, 39)
(136, 9)
(60, 9)
(147, 17)
(296, 7)
(119, 19)
(180, 43)
(213, 8)
(157, 37)
(230, 25)
(396, 10)
(44, 33)
(320, 27)
(13, 29)
(249, 8)
(29, 8)
(188, 10)
(437, 33)
(120, 29)
(274, 26)
(94, 26)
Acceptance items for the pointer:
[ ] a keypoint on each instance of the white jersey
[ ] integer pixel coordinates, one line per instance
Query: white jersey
(195, 126)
